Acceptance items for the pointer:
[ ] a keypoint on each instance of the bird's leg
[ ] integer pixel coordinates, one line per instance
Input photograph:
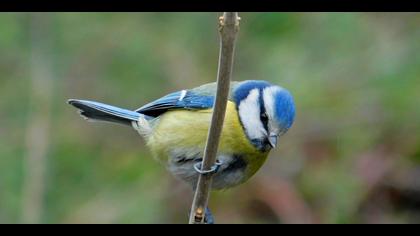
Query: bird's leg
(208, 217)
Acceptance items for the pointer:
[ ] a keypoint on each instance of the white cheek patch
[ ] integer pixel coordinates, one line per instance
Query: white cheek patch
(249, 112)
(269, 105)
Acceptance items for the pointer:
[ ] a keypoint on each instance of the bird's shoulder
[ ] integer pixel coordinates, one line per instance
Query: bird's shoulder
(197, 98)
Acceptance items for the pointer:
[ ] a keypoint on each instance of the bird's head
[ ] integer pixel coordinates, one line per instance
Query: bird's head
(266, 112)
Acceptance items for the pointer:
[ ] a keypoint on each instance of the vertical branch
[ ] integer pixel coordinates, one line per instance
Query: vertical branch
(228, 28)
(37, 134)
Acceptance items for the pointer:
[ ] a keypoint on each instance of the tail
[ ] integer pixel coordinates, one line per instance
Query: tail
(98, 111)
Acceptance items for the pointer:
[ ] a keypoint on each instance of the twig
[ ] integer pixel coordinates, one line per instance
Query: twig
(228, 28)
(38, 127)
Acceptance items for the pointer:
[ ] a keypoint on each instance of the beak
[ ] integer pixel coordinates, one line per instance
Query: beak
(272, 140)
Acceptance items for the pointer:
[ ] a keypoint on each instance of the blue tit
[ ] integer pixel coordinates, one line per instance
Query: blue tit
(175, 128)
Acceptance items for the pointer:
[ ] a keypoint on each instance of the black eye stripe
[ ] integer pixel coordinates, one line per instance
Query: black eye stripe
(264, 121)
(263, 114)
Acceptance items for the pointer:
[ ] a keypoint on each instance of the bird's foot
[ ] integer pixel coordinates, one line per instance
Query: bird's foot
(208, 217)
(213, 169)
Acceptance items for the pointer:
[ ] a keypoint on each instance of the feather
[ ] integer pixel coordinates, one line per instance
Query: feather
(98, 111)
(185, 99)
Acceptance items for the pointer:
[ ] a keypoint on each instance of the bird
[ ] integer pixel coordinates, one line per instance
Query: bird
(175, 128)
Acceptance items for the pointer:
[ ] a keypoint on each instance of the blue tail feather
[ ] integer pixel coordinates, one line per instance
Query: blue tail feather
(103, 112)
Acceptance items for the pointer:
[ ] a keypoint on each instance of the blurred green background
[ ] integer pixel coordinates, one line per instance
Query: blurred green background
(352, 156)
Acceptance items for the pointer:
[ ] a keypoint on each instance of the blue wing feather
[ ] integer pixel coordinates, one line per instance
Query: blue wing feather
(178, 100)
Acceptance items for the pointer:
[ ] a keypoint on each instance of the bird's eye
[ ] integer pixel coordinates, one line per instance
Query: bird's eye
(264, 117)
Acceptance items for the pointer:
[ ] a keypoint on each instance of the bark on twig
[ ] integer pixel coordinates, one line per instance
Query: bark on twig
(228, 28)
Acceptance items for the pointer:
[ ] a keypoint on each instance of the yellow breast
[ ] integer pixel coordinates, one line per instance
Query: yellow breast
(186, 129)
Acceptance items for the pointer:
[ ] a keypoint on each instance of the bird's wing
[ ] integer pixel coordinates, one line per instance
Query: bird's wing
(198, 98)
(185, 99)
